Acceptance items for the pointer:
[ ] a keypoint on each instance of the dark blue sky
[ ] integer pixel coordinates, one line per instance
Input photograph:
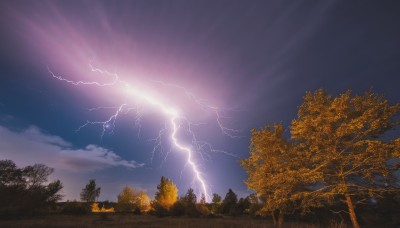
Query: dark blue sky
(257, 58)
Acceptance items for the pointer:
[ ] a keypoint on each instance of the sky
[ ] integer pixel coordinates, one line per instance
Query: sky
(221, 68)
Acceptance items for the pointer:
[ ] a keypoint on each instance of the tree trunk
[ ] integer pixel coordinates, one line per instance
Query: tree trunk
(351, 211)
(278, 221)
(273, 218)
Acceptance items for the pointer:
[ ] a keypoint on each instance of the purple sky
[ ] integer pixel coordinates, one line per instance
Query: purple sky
(255, 59)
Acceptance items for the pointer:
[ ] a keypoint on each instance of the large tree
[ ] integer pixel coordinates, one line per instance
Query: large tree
(337, 150)
(276, 172)
(26, 190)
(91, 192)
(167, 193)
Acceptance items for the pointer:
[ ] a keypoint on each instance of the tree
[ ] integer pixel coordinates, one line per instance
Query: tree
(143, 202)
(167, 193)
(243, 206)
(52, 190)
(10, 175)
(201, 207)
(190, 200)
(255, 205)
(24, 190)
(190, 197)
(336, 151)
(36, 175)
(229, 203)
(217, 199)
(203, 199)
(179, 207)
(91, 192)
(131, 200)
(216, 203)
(126, 200)
(275, 172)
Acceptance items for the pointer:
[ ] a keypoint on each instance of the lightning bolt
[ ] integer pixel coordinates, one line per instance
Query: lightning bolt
(174, 118)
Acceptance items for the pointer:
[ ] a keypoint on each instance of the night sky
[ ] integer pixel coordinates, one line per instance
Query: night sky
(252, 61)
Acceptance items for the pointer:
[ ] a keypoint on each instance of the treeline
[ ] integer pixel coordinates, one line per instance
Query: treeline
(166, 202)
(24, 191)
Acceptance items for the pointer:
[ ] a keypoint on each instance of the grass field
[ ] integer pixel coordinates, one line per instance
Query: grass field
(128, 220)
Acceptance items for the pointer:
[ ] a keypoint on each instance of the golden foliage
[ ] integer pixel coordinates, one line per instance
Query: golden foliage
(167, 193)
(129, 199)
(143, 202)
(95, 208)
(335, 150)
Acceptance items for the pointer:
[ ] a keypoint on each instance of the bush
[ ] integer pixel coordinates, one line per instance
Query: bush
(159, 210)
(203, 209)
(137, 211)
(75, 208)
(178, 209)
(191, 210)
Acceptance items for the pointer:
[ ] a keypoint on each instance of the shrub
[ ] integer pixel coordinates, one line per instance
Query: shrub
(178, 209)
(75, 208)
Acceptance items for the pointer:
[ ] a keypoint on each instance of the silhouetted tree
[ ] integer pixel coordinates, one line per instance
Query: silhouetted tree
(201, 207)
(24, 190)
(335, 152)
(52, 190)
(216, 203)
(202, 199)
(243, 206)
(91, 192)
(190, 200)
(190, 197)
(255, 205)
(10, 175)
(179, 207)
(229, 204)
(36, 175)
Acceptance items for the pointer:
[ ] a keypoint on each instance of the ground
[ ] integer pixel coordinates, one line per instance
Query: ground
(128, 220)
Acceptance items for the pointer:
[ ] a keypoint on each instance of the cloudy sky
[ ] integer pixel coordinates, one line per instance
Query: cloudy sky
(225, 66)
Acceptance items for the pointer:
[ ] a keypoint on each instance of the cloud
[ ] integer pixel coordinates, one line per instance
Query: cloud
(34, 146)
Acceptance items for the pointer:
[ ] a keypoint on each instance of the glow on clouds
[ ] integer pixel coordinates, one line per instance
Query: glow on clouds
(33, 146)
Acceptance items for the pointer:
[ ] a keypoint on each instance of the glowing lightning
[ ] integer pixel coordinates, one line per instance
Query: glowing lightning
(189, 152)
(171, 113)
